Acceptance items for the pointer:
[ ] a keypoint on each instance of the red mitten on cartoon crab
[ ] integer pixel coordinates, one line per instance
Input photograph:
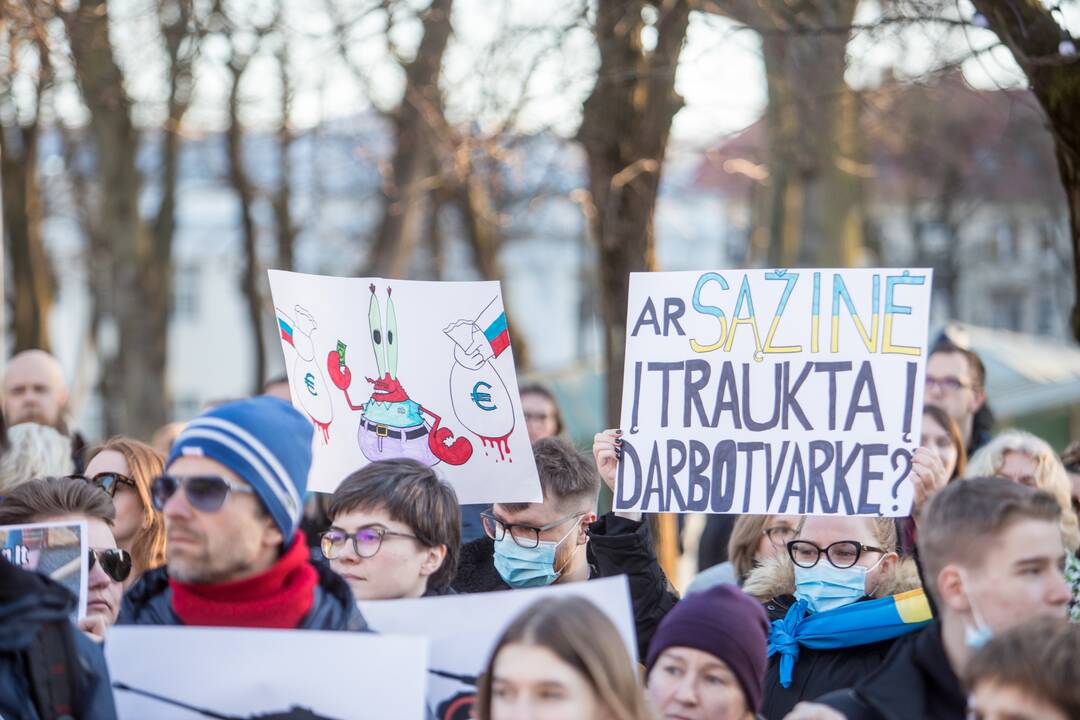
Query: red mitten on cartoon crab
(455, 453)
(340, 374)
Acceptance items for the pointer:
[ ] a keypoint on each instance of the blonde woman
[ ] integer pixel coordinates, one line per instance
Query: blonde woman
(124, 469)
(561, 659)
(34, 451)
(1029, 460)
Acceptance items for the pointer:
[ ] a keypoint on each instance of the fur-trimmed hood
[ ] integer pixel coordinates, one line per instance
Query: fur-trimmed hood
(776, 577)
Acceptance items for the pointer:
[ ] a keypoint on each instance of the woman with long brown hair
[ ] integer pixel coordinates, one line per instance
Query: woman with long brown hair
(561, 659)
(124, 469)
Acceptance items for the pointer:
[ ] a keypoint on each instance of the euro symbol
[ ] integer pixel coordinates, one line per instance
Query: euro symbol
(480, 398)
(309, 380)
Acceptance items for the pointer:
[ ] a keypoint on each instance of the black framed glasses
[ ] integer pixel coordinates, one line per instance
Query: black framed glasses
(366, 541)
(842, 554)
(524, 536)
(949, 382)
(115, 562)
(780, 535)
(206, 493)
(107, 482)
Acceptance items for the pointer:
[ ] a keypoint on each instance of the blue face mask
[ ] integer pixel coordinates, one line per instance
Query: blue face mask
(825, 587)
(977, 635)
(528, 567)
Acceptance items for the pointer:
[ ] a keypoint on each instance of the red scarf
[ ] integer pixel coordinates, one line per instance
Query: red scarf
(278, 598)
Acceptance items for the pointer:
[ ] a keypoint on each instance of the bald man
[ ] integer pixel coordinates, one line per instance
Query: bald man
(35, 391)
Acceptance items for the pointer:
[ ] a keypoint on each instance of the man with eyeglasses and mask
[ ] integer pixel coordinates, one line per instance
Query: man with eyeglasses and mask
(561, 540)
(231, 497)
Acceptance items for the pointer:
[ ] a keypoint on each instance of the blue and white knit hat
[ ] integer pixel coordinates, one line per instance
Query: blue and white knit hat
(266, 442)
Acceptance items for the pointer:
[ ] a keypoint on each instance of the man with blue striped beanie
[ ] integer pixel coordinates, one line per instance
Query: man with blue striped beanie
(232, 495)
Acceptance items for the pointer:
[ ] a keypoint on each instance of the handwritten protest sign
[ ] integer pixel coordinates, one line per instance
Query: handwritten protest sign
(772, 391)
(243, 673)
(56, 550)
(463, 630)
(405, 369)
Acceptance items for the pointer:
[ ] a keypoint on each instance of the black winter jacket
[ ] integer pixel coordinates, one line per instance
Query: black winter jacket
(149, 602)
(27, 602)
(617, 546)
(916, 682)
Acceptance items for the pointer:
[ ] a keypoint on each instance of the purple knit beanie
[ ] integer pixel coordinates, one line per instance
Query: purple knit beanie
(725, 622)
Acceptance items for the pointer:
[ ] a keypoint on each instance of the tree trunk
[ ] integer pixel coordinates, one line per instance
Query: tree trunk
(32, 278)
(134, 380)
(1034, 37)
(624, 130)
(245, 194)
(284, 228)
(406, 192)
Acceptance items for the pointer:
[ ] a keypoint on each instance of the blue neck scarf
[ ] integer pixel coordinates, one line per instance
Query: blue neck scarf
(859, 623)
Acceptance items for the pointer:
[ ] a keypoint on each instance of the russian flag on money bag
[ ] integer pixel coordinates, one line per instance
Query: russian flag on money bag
(492, 321)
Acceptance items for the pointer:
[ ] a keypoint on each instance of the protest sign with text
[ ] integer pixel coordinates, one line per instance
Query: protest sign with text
(773, 391)
(56, 550)
(406, 369)
(189, 673)
(463, 630)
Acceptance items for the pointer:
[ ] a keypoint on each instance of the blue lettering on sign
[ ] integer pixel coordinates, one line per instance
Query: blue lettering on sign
(482, 399)
(309, 380)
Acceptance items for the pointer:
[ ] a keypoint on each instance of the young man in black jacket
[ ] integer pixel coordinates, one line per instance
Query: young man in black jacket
(993, 552)
(561, 540)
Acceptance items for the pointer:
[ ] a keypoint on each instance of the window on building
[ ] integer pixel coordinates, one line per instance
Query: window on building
(1046, 320)
(186, 293)
(1006, 310)
(1006, 241)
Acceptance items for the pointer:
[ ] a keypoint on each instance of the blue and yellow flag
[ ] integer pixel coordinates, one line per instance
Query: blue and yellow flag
(859, 623)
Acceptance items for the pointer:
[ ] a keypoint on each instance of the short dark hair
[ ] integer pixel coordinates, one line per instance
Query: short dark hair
(567, 476)
(975, 363)
(51, 497)
(959, 521)
(541, 390)
(411, 493)
(1041, 658)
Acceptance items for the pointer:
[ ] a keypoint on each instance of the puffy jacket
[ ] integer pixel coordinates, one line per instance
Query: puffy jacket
(817, 672)
(27, 602)
(617, 546)
(149, 602)
(915, 682)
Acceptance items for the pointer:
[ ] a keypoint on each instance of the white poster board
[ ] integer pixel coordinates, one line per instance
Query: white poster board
(773, 391)
(398, 368)
(463, 630)
(56, 550)
(245, 673)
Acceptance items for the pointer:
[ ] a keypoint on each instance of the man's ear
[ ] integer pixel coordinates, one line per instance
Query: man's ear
(272, 535)
(583, 528)
(433, 560)
(980, 399)
(951, 589)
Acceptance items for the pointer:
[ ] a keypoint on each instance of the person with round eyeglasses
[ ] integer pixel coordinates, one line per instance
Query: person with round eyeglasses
(395, 531)
(832, 563)
(754, 539)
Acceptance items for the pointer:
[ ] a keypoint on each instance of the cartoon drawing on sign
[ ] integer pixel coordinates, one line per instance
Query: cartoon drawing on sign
(477, 392)
(392, 424)
(307, 374)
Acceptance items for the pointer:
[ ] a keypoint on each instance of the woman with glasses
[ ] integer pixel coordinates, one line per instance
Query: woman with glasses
(124, 469)
(754, 539)
(395, 531)
(832, 563)
(58, 500)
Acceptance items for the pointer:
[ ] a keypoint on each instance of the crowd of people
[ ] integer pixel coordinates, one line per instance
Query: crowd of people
(960, 610)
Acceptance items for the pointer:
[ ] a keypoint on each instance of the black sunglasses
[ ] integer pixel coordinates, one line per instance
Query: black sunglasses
(107, 481)
(205, 493)
(115, 562)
